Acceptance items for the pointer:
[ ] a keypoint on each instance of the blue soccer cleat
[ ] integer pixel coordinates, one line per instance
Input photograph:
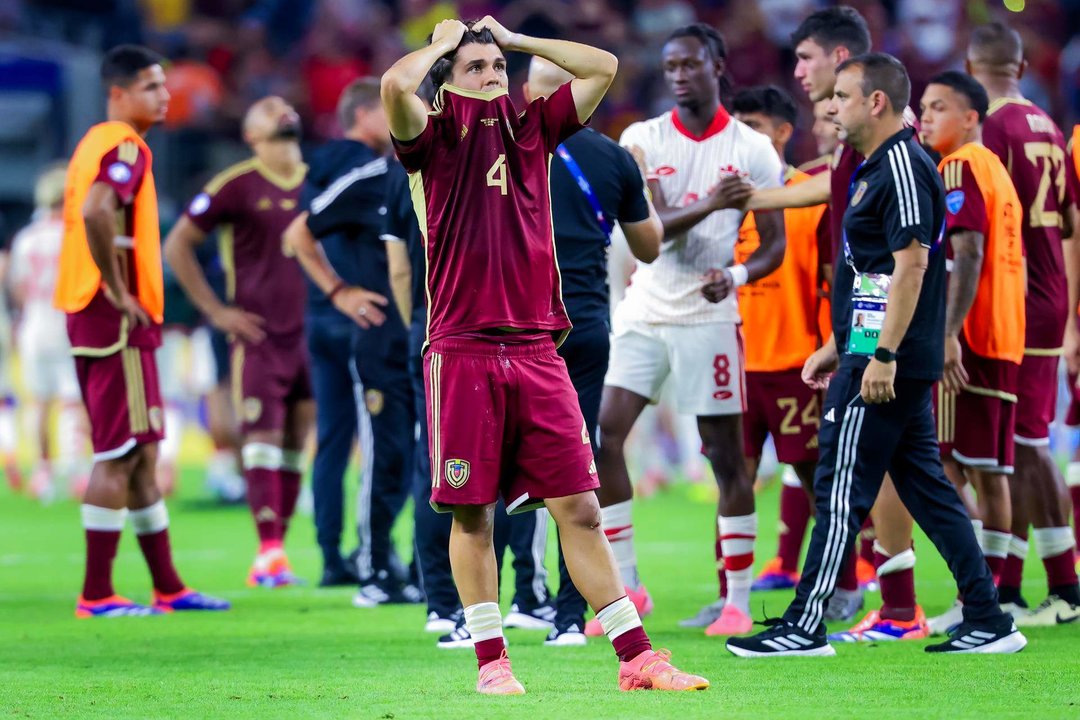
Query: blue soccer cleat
(188, 599)
(112, 606)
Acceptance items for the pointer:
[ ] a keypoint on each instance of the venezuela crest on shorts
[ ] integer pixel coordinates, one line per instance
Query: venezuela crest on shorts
(457, 472)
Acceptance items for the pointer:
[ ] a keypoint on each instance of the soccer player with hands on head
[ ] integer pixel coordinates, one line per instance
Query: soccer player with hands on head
(502, 413)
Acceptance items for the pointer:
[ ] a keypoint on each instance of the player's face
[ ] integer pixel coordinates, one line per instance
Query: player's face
(815, 70)
(946, 118)
(825, 131)
(145, 101)
(762, 123)
(849, 107)
(690, 72)
(480, 67)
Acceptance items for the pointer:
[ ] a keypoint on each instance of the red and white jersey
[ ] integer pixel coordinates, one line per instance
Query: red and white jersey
(35, 255)
(687, 167)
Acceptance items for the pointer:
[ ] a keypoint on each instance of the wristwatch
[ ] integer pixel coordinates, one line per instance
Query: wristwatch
(884, 355)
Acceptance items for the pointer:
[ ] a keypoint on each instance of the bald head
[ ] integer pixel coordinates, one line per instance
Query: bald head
(271, 118)
(996, 48)
(544, 78)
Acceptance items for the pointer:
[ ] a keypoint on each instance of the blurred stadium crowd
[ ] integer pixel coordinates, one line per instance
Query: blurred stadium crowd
(228, 53)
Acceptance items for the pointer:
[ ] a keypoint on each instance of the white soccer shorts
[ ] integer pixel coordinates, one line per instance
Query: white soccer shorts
(705, 361)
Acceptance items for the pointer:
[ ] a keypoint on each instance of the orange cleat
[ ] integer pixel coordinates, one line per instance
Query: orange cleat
(496, 678)
(651, 671)
(732, 621)
(112, 606)
(642, 601)
(874, 628)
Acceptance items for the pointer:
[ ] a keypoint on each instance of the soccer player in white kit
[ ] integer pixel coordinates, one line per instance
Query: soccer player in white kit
(679, 316)
(48, 370)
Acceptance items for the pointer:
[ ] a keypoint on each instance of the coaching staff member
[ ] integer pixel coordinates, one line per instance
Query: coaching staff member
(878, 415)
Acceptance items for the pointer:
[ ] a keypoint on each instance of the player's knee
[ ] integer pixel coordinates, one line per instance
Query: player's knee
(728, 466)
(583, 512)
(475, 521)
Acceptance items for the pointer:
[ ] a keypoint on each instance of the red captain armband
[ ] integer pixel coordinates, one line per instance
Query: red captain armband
(341, 285)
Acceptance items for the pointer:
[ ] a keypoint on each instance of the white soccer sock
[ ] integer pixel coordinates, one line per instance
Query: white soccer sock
(789, 478)
(151, 519)
(903, 560)
(995, 544)
(1072, 474)
(1017, 547)
(619, 617)
(484, 621)
(70, 437)
(102, 519)
(737, 535)
(977, 526)
(1052, 541)
(619, 530)
(9, 435)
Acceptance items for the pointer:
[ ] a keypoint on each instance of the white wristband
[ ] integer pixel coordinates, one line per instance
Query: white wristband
(739, 275)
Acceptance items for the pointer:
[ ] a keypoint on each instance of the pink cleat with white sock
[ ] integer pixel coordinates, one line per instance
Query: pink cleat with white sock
(732, 621)
(651, 670)
(496, 678)
(642, 601)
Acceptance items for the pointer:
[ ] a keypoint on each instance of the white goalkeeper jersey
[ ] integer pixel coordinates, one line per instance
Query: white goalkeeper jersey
(687, 167)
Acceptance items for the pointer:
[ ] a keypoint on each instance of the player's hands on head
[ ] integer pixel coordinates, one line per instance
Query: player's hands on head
(819, 367)
(129, 306)
(878, 383)
(362, 306)
(239, 323)
(448, 33)
(718, 284)
(955, 377)
(503, 37)
(733, 193)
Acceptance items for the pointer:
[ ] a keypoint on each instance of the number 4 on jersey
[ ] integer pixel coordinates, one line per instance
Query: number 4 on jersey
(496, 174)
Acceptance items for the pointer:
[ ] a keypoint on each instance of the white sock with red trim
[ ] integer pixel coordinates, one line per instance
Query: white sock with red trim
(737, 535)
(619, 530)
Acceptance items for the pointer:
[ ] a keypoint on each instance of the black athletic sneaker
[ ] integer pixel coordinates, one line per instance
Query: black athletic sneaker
(459, 637)
(566, 633)
(336, 576)
(983, 639)
(782, 639)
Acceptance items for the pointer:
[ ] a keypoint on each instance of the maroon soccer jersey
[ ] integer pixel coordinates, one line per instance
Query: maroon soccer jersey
(100, 325)
(479, 173)
(1033, 149)
(251, 207)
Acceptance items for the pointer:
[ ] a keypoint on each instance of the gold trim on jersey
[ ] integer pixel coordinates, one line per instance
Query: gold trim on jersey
(230, 173)
(419, 201)
(1003, 101)
(279, 181)
(227, 253)
(989, 392)
(946, 415)
(435, 381)
(953, 174)
(116, 347)
(236, 377)
(825, 160)
(475, 94)
(138, 416)
(1044, 352)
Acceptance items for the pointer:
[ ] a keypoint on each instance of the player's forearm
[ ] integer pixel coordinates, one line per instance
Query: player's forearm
(907, 280)
(644, 238)
(584, 62)
(769, 254)
(397, 257)
(677, 220)
(180, 254)
(312, 257)
(814, 191)
(406, 75)
(100, 234)
(964, 279)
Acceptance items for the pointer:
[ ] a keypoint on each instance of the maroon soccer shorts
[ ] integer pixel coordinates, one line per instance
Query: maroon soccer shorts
(123, 401)
(780, 404)
(266, 379)
(1037, 399)
(984, 437)
(503, 420)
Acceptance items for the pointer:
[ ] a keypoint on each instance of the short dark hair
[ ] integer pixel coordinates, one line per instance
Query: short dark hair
(706, 34)
(996, 44)
(881, 71)
(442, 69)
(768, 100)
(360, 93)
(965, 85)
(835, 26)
(122, 63)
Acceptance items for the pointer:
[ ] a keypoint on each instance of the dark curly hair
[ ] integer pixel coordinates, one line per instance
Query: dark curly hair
(440, 72)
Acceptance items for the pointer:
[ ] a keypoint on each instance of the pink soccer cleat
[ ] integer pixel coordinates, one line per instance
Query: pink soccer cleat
(651, 671)
(272, 570)
(642, 601)
(496, 678)
(732, 621)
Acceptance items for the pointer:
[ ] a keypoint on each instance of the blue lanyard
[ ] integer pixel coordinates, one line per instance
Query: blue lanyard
(587, 191)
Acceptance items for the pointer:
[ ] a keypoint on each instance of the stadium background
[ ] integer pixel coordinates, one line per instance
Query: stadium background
(305, 653)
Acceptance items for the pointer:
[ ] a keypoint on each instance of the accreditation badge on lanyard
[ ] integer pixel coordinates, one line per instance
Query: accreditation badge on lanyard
(869, 292)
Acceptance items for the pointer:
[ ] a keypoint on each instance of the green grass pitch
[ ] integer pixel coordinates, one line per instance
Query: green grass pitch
(305, 652)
